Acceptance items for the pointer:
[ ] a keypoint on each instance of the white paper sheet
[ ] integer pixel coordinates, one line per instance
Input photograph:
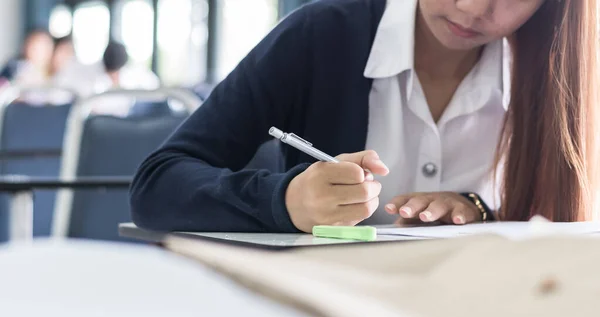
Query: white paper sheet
(512, 230)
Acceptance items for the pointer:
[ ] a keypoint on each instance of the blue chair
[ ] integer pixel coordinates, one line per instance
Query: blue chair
(114, 147)
(31, 138)
(203, 90)
(109, 146)
(145, 109)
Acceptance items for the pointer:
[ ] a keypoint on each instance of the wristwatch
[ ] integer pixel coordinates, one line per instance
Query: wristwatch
(486, 212)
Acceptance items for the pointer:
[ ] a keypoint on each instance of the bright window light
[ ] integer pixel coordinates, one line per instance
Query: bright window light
(175, 25)
(182, 38)
(137, 30)
(243, 24)
(61, 21)
(91, 27)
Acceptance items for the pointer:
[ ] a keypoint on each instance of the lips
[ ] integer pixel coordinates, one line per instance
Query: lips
(461, 31)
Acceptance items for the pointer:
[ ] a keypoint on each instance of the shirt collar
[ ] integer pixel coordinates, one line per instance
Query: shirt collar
(393, 50)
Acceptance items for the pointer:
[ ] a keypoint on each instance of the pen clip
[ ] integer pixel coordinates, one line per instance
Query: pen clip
(300, 139)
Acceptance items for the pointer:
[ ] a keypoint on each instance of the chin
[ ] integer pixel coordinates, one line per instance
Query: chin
(453, 41)
(459, 44)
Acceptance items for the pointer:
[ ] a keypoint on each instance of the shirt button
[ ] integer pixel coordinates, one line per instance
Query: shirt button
(429, 170)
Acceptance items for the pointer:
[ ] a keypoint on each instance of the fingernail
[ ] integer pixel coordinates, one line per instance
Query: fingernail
(426, 216)
(406, 212)
(381, 164)
(369, 176)
(459, 220)
(390, 208)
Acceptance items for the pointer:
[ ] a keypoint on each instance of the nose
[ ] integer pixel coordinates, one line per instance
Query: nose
(475, 8)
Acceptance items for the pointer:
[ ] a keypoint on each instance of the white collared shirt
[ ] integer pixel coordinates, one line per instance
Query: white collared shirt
(456, 153)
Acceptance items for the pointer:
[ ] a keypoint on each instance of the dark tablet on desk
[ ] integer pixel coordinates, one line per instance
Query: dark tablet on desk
(270, 241)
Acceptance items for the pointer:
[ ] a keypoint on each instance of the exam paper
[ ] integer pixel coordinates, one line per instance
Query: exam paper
(511, 230)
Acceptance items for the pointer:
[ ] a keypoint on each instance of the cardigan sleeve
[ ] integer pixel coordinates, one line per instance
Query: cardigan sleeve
(196, 180)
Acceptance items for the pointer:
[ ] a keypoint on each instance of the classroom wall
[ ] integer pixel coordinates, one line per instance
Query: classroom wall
(11, 28)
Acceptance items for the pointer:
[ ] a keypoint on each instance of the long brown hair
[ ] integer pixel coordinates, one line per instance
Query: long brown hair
(548, 147)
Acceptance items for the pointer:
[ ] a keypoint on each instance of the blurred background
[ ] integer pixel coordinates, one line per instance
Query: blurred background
(88, 89)
(184, 42)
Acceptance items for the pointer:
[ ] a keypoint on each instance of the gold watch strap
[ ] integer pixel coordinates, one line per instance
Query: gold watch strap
(479, 206)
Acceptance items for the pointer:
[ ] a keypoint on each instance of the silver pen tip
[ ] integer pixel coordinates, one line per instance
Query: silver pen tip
(276, 133)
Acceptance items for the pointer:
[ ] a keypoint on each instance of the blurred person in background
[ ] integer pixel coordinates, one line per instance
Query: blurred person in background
(119, 75)
(63, 56)
(32, 66)
(68, 72)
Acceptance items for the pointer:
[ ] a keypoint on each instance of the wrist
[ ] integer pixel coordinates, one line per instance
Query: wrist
(279, 206)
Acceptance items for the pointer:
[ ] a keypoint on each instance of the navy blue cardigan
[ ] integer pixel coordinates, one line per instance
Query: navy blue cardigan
(305, 77)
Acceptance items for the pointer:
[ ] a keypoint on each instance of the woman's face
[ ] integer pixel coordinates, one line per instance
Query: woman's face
(466, 24)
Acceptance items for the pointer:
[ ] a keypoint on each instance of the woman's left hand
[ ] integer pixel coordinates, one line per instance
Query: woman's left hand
(447, 207)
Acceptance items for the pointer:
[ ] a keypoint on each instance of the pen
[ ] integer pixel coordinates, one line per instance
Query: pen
(301, 144)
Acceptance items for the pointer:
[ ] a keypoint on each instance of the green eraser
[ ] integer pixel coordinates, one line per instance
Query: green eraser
(362, 233)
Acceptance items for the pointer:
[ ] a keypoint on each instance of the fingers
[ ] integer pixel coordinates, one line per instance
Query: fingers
(463, 214)
(342, 173)
(409, 206)
(432, 207)
(332, 193)
(352, 169)
(355, 194)
(368, 160)
(450, 211)
(436, 210)
(358, 212)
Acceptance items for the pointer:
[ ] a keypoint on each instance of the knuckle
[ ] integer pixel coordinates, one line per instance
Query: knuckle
(314, 171)
(367, 209)
(460, 206)
(440, 204)
(314, 167)
(355, 172)
(417, 201)
(370, 190)
(370, 153)
(398, 200)
(364, 191)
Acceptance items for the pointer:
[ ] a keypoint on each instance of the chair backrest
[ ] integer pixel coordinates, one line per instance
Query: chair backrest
(31, 138)
(203, 90)
(108, 146)
(112, 146)
(150, 109)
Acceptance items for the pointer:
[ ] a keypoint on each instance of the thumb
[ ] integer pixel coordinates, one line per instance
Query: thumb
(368, 160)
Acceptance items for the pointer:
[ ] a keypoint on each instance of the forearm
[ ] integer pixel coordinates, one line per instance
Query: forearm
(172, 192)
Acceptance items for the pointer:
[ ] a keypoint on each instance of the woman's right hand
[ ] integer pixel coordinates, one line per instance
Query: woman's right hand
(336, 193)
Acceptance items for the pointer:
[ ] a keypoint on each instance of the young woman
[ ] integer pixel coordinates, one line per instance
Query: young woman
(417, 84)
